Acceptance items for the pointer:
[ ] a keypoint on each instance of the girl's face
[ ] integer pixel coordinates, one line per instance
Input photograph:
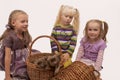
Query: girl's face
(20, 23)
(66, 19)
(93, 30)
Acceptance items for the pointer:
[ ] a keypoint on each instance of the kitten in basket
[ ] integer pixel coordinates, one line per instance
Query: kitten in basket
(54, 62)
(49, 62)
(42, 63)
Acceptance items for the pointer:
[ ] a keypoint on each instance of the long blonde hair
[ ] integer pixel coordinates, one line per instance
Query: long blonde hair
(10, 27)
(73, 11)
(103, 28)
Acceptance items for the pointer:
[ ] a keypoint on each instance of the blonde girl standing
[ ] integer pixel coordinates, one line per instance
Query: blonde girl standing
(93, 44)
(65, 31)
(14, 50)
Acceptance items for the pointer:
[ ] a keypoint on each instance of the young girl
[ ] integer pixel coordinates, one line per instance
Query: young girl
(15, 41)
(93, 44)
(65, 31)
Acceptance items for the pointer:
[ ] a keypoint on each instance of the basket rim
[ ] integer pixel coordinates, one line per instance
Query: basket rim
(45, 36)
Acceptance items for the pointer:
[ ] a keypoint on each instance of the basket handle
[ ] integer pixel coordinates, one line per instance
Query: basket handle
(95, 70)
(97, 73)
(59, 48)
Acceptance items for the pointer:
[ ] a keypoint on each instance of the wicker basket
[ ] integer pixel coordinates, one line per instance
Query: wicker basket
(37, 73)
(77, 71)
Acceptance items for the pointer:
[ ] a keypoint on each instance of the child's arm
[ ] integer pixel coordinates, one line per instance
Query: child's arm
(80, 53)
(72, 44)
(54, 46)
(99, 60)
(7, 63)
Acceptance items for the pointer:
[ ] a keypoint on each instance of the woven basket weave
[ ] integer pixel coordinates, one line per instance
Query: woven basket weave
(77, 71)
(37, 73)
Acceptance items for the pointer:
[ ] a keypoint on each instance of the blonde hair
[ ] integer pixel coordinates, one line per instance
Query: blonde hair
(10, 27)
(73, 12)
(103, 28)
(13, 16)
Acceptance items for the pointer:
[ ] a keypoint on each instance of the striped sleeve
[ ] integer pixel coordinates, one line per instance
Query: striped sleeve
(72, 44)
(53, 44)
(99, 60)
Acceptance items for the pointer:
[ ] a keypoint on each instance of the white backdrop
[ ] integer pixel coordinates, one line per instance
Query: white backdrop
(42, 15)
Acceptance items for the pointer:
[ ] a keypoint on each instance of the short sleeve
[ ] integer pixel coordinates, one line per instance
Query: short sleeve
(103, 45)
(8, 41)
(82, 41)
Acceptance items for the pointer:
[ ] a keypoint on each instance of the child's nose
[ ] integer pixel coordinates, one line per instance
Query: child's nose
(91, 31)
(26, 23)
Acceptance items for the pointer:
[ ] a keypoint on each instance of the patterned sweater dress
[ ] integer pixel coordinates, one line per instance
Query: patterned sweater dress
(19, 54)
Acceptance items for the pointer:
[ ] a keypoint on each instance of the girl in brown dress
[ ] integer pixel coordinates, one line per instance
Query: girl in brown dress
(14, 46)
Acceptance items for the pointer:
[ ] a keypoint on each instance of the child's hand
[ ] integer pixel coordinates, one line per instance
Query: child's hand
(65, 57)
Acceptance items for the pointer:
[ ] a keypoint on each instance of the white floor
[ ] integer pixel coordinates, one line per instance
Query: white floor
(2, 75)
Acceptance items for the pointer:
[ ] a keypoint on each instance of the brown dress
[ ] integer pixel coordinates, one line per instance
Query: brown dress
(19, 54)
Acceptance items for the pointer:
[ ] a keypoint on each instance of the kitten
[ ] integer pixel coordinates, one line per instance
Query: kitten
(49, 62)
(42, 63)
(54, 62)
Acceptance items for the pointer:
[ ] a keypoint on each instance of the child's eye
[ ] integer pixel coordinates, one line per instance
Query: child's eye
(90, 29)
(22, 21)
(95, 29)
(66, 15)
(70, 17)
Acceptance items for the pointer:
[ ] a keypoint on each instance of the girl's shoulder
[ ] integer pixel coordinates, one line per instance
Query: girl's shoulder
(84, 39)
(59, 26)
(101, 42)
(10, 34)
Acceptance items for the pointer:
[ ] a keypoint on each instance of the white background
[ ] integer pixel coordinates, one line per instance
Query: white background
(42, 15)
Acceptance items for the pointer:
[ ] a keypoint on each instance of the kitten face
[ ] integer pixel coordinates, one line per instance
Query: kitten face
(54, 60)
(41, 62)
